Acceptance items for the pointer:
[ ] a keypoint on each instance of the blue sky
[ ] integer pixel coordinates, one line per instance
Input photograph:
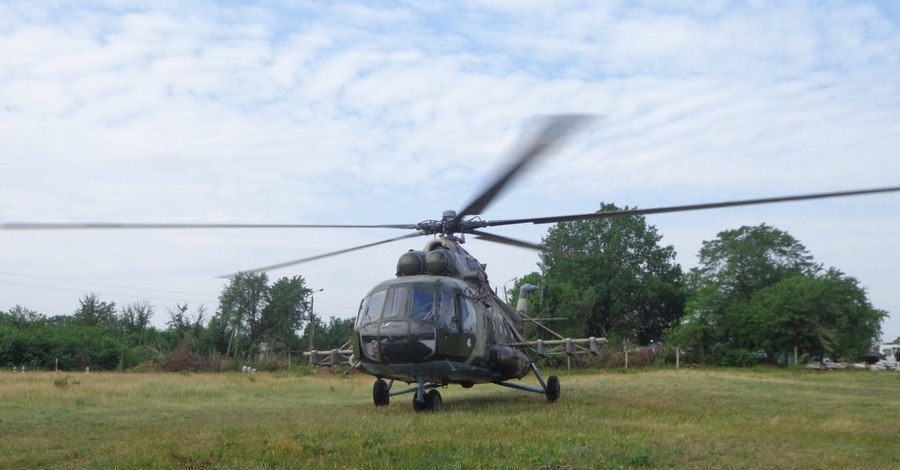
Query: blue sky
(286, 112)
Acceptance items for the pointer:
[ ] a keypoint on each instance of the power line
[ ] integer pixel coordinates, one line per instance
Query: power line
(98, 284)
(106, 294)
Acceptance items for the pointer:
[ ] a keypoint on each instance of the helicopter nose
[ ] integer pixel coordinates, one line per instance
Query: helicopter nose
(398, 342)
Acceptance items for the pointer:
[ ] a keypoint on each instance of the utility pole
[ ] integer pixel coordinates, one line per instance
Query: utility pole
(312, 319)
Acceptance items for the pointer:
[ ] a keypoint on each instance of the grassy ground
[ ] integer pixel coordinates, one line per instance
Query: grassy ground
(657, 418)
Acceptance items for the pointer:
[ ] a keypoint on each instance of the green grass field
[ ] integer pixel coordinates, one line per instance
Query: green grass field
(709, 418)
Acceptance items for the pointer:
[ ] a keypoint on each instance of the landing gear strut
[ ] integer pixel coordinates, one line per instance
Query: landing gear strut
(422, 400)
(549, 388)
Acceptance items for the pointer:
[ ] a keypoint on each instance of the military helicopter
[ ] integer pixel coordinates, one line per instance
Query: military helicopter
(438, 321)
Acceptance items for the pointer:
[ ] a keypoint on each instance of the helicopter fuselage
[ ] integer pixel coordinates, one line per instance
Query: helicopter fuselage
(439, 323)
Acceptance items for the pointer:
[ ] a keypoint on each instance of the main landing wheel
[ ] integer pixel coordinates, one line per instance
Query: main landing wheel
(433, 402)
(380, 393)
(553, 388)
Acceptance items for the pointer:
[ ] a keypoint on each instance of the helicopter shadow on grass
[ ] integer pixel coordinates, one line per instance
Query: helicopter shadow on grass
(464, 401)
(479, 402)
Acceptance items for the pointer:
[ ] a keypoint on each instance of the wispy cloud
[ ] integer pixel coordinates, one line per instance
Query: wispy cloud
(347, 113)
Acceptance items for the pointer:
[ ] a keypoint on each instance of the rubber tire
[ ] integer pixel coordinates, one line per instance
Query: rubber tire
(420, 405)
(553, 389)
(380, 393)
(433, 401)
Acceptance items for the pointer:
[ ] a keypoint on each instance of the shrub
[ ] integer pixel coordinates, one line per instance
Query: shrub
(64, 383)
(183, 359)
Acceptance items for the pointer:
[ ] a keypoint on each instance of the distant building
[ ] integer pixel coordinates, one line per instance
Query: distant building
(889, 352)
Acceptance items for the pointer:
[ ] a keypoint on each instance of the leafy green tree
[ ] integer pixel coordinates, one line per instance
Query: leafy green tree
(135, 318)
(182, 325)
(740, 262)
(21, 316)
(847, 310)
(93, 312)
(252, 311)
(198, 321)
(612, 278)
(757, 294)
(331, 335)
(699, 329)
(216, 337)
(178, 318)
(827, 314)
(282, 318)
(719, 326)
(241, 304)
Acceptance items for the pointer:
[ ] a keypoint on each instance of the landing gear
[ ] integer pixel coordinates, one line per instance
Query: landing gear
(423, 399)
(549, 388)
(553, 389)
(432, 402)
(381, 393)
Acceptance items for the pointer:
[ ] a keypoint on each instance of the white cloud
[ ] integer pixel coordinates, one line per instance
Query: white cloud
(312, 113)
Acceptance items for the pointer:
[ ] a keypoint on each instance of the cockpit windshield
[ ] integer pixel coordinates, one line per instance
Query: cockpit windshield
(424, 303)
(370, 308)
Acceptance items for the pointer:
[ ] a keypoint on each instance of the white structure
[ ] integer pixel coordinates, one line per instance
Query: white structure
(889, 351)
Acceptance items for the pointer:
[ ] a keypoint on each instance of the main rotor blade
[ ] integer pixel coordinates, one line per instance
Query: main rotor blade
(116, 225)
(506, 240)
(690, 207)
(523, 244)
(325, 255)
(554, 129)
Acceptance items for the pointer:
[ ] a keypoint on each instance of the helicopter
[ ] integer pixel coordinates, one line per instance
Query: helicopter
(438, 321)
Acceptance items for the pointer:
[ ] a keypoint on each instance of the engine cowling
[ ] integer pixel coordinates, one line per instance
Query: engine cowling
(509, 361)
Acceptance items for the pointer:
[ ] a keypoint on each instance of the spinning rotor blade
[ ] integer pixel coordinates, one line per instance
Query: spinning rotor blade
(116, 225)
(325, 255)
(690, 207)
(522, 244)
(554, 129)
(506, 240)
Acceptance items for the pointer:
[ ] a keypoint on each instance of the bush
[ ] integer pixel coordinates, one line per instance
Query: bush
(737, 357)
(183, 359)
(608, 359)
(65, 383)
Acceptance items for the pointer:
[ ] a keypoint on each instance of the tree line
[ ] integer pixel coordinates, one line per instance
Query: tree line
(257, 322)
(756, 296)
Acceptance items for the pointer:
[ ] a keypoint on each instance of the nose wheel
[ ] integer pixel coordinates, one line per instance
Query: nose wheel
(381, 393)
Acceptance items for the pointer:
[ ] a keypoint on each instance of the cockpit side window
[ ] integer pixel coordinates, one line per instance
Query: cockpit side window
(370, 310)
(446, 310)
(467, 311)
